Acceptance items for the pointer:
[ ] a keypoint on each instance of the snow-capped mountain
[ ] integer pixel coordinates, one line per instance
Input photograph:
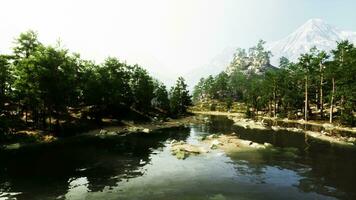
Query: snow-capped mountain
(315, 32)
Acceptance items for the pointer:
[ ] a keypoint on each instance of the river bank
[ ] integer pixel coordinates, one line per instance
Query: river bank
(327, 132)
(235, 162)
(110, 128)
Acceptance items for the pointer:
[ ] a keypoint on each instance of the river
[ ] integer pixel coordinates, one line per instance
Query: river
(140, 166)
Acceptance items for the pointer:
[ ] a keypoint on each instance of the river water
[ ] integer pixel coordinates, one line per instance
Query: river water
(140, 166)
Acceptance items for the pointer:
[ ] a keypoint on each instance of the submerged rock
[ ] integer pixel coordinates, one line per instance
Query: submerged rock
(13, 146)
(275, 128)
(267, 144)
(217, 197)
(182, 150)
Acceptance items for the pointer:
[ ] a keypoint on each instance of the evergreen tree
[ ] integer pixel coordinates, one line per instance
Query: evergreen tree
(180, 99)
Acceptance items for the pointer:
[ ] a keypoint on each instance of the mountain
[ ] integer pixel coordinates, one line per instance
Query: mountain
(214, 67)
(315, 32)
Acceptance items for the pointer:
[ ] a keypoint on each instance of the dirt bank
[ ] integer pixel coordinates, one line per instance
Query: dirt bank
(259, 123)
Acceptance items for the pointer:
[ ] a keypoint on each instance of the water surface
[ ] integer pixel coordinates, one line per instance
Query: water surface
(140, 166)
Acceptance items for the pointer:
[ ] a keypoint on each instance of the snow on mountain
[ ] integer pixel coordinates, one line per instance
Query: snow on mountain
(315, 32)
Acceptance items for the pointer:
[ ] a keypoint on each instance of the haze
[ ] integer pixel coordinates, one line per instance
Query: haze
(169, 38)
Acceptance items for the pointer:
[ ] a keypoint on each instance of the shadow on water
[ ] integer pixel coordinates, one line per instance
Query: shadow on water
(331, 165)
(48, 169)
(140, 166)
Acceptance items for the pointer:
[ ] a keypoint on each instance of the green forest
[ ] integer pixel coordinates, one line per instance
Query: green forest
(48, 88)
(319, 86)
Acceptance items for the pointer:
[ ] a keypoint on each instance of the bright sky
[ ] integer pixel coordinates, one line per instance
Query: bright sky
(166, 36)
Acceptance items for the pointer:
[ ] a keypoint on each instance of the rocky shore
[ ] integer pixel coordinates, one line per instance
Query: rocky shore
(326, 133)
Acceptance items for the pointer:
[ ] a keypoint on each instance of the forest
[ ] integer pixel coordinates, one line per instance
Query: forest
(48, 88)
(319, 86)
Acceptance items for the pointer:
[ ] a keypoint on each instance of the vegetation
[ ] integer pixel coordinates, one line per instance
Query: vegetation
(319, 86)
(48, 88)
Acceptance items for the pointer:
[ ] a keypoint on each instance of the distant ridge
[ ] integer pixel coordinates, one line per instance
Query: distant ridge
(314, 32)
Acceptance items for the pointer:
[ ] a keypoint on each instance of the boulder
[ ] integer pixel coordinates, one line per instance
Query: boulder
(146, 130)
(182, 150)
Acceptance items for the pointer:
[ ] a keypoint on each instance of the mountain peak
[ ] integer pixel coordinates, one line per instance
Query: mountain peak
(314, 32)
(317, 26)
(315, 22)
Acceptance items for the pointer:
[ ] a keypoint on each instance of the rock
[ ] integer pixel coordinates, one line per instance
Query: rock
(257, 146)
(246, 142)
(214, 144)
(275, 128)
(103, 131)
(328, 126)
(212, 136)
(217, 197)
(13, 146)
(202, 138)
(133, 129)
(146, 130)
(111, 133)
(180, 155)
(182, 150)
(267, 144)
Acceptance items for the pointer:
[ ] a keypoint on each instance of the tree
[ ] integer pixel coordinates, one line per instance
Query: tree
(342, 71)
(26, 44)
(198, 92)
(305, 64)
(321, 59)
(179, 98)
(142, 88)
(5, 80)
(114, 78)
(160, 99)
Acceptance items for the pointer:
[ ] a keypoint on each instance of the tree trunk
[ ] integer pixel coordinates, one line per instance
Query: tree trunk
(332, 101)
(321, 92)
(269, 108)
(306, 99)
(274, 101)
(26, 116)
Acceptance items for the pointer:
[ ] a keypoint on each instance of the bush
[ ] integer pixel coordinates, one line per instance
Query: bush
(347, 117)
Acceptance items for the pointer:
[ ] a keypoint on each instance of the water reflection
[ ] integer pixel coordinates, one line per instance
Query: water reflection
(44, 171)
(142, 167)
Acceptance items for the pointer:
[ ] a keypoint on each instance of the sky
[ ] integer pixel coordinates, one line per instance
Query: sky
(167, 37)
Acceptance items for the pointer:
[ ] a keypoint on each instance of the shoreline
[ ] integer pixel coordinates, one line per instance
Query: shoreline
(241, 121)
(125, 128)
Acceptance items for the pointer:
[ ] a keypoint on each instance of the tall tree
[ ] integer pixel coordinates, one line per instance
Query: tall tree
(142, 88)
(179, 97)
(160, 99)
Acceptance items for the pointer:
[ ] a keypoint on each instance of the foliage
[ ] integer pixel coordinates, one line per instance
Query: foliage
(42, 84)
(291, 89)
(179, 97)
